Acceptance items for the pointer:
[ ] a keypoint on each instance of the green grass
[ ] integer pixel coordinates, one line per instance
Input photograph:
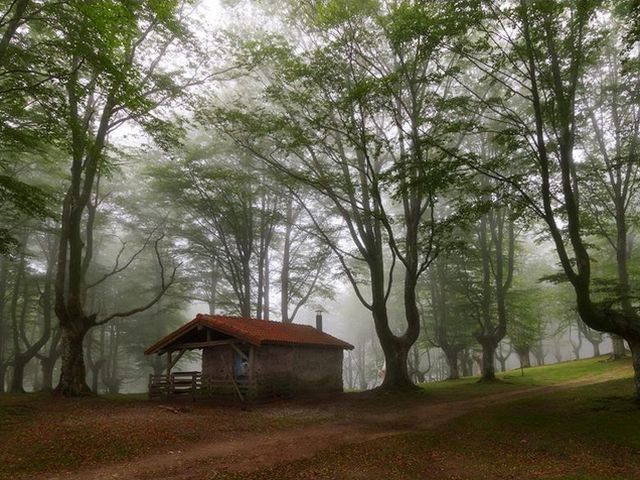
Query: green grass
(470, 387)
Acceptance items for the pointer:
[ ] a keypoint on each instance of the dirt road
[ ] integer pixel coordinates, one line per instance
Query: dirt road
(254, 451)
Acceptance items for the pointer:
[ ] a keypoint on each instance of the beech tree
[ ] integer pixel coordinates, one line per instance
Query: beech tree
(350, 118)
(111, 54)
(539, 53)
(451, 323)
(610, 169)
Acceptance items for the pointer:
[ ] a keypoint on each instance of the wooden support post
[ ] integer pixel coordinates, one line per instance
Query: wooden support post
(178, 357)
(169, 363)
(232, 378)
(252, 356)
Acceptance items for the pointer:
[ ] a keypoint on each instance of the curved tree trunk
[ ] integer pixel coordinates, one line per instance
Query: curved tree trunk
(19, 9)
(395, 348)
(634, 345)
(396, 375)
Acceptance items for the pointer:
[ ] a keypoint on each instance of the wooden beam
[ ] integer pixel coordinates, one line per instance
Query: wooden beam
(173, 362)
(240, 352)
(196, 345)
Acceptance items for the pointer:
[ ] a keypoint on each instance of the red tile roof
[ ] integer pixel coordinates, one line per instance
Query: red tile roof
(255, 332)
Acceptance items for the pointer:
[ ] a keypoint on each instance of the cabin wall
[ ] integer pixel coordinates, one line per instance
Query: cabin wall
(298, 369)
(217, 362)
(281, 369)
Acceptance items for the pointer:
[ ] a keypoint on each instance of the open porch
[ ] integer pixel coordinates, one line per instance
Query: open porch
(227, 369)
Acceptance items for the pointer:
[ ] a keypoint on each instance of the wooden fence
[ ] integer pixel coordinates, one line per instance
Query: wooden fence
(194, 384)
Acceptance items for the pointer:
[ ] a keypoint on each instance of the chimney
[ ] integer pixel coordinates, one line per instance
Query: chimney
(319, 319)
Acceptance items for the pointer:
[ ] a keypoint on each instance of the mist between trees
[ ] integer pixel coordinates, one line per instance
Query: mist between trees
(454, 182)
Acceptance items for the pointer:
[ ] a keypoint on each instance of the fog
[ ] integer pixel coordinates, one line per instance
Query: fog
(271, 160)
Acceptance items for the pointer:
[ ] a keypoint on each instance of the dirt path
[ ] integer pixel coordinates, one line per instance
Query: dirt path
(250, 452)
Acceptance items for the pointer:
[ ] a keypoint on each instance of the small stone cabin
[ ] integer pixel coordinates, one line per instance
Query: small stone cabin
(250, 358)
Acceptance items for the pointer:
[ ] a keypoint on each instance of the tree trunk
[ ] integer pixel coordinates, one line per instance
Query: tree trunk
(12, 26)
(634, 345)
(36, 380)
(362, 366)
(18, 322)
(618, 347)
(396, 375)
(576, 346)
(213, 287)
(48, 361)
(17, 377)
(266, 304)
(488, 353)
(72, 372)
(3, 289)
(503, 364)
(452, 361)
(395, 348)
(418, 374)
(286, 260)
(596, 349)
(524, 354)
(467, 366)
(47, 364)
(157, 364)
(539, 353)
(245, 301)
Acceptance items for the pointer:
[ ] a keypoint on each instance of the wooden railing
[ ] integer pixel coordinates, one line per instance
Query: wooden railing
(195, 385)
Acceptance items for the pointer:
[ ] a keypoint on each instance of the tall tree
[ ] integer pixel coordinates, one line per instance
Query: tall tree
(112, 54)
(542, 61)
(610, 170)
(350, 119)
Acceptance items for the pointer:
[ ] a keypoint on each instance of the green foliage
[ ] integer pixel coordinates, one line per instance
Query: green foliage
(334, 13)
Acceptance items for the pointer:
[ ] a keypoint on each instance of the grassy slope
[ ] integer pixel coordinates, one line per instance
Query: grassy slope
(587, 433)
(592, 368)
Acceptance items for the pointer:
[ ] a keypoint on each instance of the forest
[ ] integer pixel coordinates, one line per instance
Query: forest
(454, 185)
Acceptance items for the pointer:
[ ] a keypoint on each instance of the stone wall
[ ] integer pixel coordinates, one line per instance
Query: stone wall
(300, 369)
(282, 368)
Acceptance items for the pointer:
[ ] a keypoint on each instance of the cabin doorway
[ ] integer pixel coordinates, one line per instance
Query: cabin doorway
(241, 364)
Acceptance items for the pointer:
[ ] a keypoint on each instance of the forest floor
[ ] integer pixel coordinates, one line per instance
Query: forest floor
(574, 420)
